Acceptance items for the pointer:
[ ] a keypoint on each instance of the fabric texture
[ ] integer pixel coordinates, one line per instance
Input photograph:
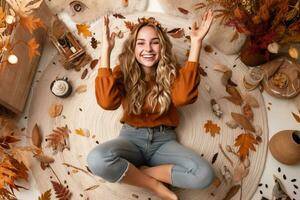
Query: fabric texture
(150, 147)
(110, 94)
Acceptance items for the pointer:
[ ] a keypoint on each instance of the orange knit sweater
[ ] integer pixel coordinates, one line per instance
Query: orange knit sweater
(110, 94)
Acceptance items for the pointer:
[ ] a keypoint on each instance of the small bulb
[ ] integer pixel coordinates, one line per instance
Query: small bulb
(12, 59)
(10, 19)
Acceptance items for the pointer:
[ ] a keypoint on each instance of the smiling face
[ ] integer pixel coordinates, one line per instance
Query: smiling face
(147, 48)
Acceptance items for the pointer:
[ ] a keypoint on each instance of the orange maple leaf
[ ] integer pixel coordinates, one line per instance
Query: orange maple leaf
(84, 30)
(31, 23)
(245, 142)
(33, 49)
(212, 128)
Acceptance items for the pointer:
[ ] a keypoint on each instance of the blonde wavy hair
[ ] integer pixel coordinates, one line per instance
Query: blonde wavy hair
(134, 77)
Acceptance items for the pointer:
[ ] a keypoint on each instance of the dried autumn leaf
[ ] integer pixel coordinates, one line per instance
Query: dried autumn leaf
(125, 3)
(212, 128)
(129, 25)
(81, 89)
(33, 48)
(82, 132)
(213, 160)
(44, 158)
(208, 49)
(199, 5)
(84, 30)
(10, 171)
(235, 95)
(247, 111)
(55, 110)
(240, 172)
(36, 137)
(221, 68)
(235, 36)
(6, 140)
(226, 77)
(242, 121)
(24, 7)
(94, 63)
(58, 140)
(245, 142)
(7, 195)
(31, 23)
(46, 195)
(297, 117)
(118, 15)
(183, 11)
(249, 99)
(62, 192)
(84, 73)
(176, 32)
(232, 192)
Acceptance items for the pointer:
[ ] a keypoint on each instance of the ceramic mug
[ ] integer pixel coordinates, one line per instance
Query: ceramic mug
(61, 87)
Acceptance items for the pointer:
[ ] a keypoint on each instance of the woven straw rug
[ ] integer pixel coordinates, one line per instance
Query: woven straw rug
(80, 110)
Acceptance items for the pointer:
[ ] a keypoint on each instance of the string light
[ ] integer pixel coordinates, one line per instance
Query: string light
(10, 19)
(12, 59)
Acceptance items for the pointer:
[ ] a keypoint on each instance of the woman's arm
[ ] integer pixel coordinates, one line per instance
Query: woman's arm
(108, 43)
(108, 83)
(197, 35)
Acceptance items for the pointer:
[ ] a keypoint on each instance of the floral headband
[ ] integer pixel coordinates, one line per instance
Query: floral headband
(143, 20)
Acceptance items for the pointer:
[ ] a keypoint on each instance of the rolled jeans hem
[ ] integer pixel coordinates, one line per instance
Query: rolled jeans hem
(124, 173)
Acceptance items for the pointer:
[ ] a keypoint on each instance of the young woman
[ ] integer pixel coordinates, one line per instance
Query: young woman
(150, 87)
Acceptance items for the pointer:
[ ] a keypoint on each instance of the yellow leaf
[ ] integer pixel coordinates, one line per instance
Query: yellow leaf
(46, 195)
(31, 23)
(297, 117)
(293, 52)
(33, 49)
(80, 131)
(84, 30)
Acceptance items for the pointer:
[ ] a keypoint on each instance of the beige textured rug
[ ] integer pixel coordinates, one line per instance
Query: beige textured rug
(90, 10)
(80, 110)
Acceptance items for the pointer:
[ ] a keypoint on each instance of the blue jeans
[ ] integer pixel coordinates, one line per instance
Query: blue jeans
(151, 147)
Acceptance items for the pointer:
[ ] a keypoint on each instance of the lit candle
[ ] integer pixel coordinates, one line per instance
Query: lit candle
(12, 59)
(10, 19)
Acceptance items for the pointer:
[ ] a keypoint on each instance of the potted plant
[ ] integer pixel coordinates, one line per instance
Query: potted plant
(270, 26)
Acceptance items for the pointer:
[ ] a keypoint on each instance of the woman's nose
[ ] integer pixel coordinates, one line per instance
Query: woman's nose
(148, 47)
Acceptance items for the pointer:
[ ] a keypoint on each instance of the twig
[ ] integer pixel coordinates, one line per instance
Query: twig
(241, 189)
(68, 165)
(226, 156)
(54, 174)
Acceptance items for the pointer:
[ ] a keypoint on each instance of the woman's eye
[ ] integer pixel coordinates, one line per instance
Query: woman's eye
(77, 6)
(140, 43)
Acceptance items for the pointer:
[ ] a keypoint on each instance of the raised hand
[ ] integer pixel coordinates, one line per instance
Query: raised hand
(198, 33)
(108, 40)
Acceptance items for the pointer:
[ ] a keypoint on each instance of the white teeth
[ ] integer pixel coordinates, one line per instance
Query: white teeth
(148, 56)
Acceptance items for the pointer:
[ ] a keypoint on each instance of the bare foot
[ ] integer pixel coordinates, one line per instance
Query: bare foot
(164, 193)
